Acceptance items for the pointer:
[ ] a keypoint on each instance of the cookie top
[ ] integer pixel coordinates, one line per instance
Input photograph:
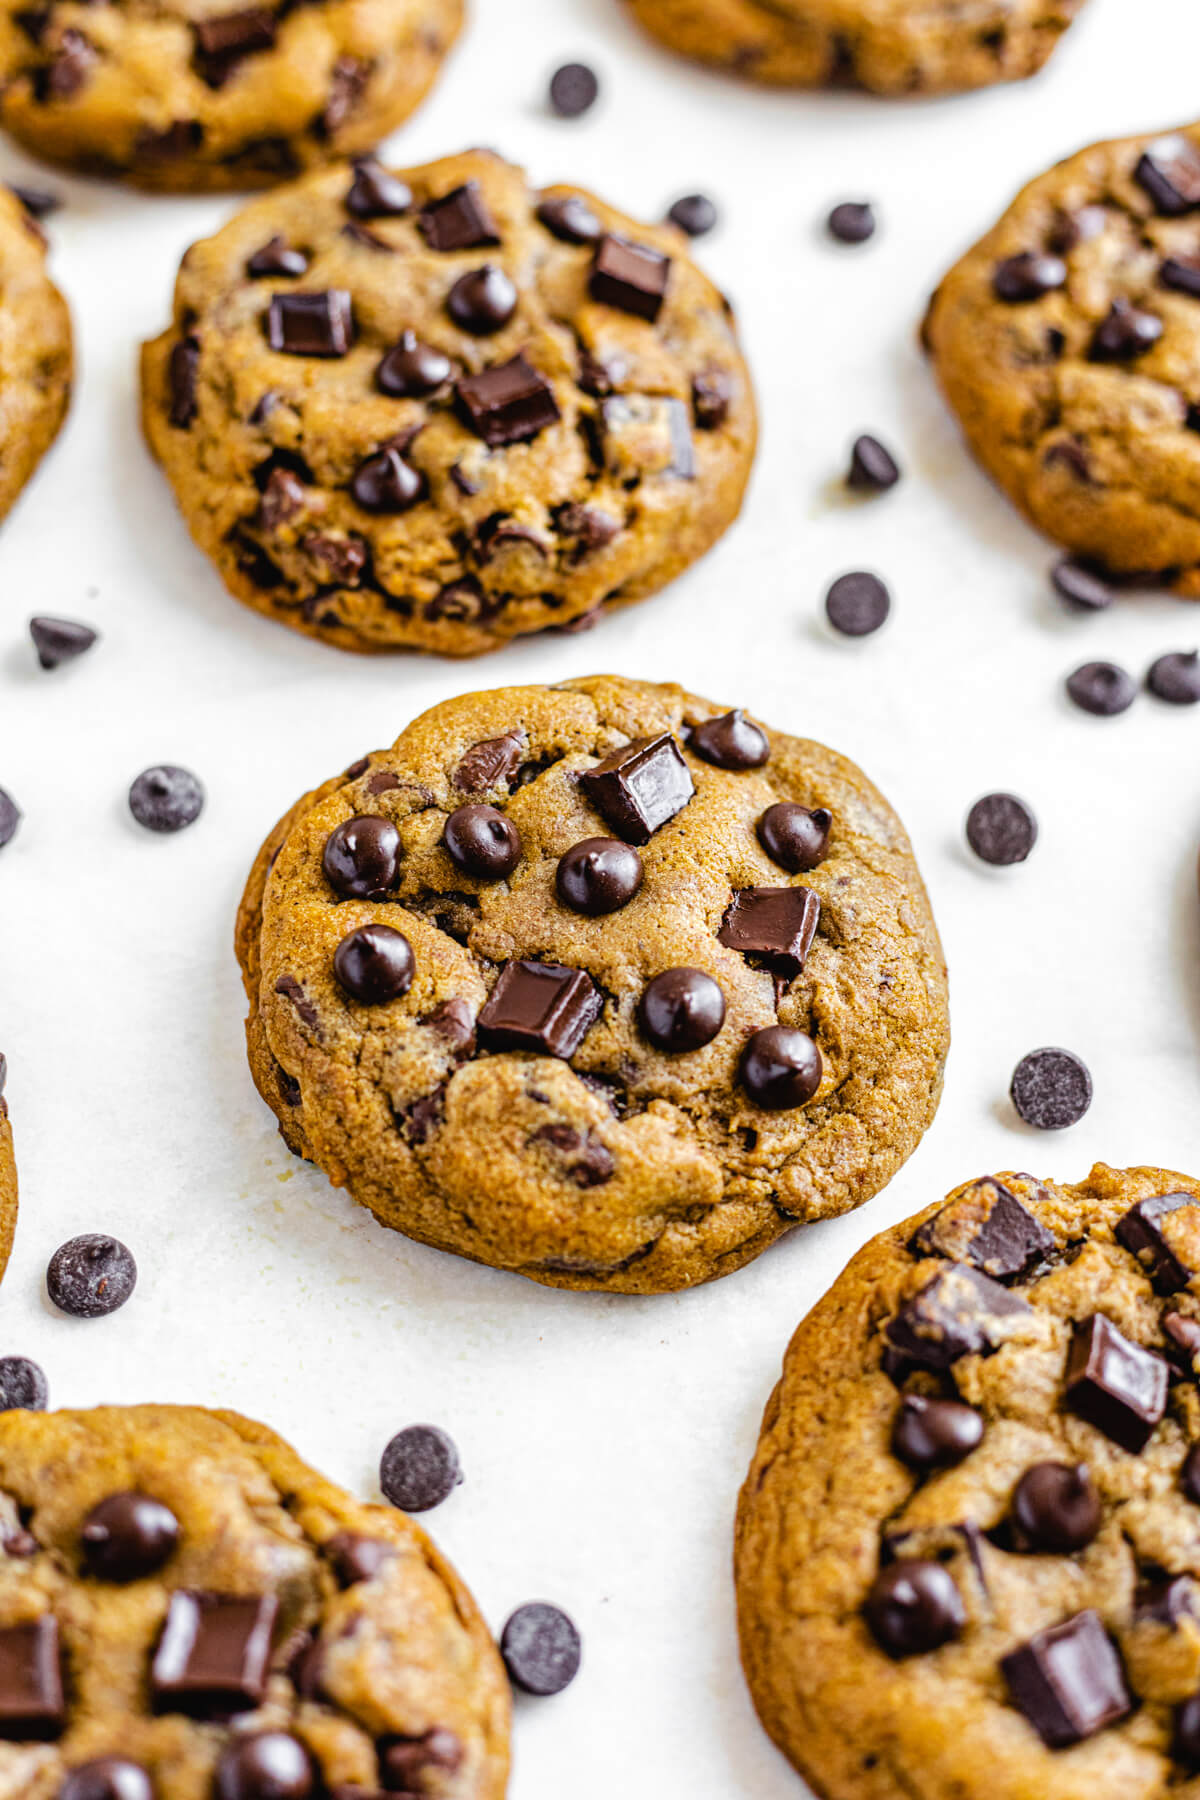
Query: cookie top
(598, 982)
(1068, 343)
(888, 46)
(968, 1549)
(179, 1592)
(195, 94)
(436, 408)
(8, 1177)
(35, 350)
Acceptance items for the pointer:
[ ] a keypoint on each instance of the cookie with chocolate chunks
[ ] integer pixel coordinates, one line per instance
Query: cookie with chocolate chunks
(36, 354)
(447, 421)
(637, 1038)
(968, 1548)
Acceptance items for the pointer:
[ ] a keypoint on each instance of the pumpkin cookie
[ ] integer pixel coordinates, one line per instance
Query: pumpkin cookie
(35, 350)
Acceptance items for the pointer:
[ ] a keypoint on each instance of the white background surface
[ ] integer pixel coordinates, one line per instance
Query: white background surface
(603, 1438)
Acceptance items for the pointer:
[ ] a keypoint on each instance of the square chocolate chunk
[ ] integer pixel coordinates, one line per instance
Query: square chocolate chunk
(507, 404)
(776, 923)
(311, 324)
(1114, 1384)
(1163, 1232)
(1170, 173)
(638, 787)
(213, 1653)
(1068, 1681)
(541, 1007)
(986, 1226)
(460, 220)
(31, 1690)
(959, 1313)
(630, 276)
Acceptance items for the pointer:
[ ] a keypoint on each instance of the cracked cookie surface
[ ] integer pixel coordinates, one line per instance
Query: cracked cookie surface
(597, 982)
(188, 94)
(35, 350)
(968, 1548)
(887, 46)
(436, 409)
(1068, 344)
(181, 1594)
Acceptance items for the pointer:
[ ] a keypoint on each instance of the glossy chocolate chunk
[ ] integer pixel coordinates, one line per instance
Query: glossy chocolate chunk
(357, 1558)
(961, 1312)
(411, 369)
(730, 742)
(375, 193)
(988, 1227)
(1182, 273)
(107, 1778)
(182, 370)
(460, 220)
(482, 843)
(1068, 1681)
(31, 1689)
(1080, 586)
(1175, 677)
(935, 1434)
(404, 1762)
(541, 1007)
(276, 258)
(1056, 1508)
(629, 276)
(1182, 1341)
(491, 763)
(508, 403)
(223, 40)
(780, 1068)
(311, 324)
(385, 483)
(128, 1536)
(1169, 171)
(681, 1010)
(541, 1648)
(598, 875)
(1165, 1602)
(570, 218)
(637, 788)
(776, 923)
(1028, 276)
(914, 1607)
(1114, 1384)
(271, 1765)
(794, 836)
(374, 964)
(361, 858)
(483, 300)
(1126, 333)
(1163, 1232)
(213, 1654)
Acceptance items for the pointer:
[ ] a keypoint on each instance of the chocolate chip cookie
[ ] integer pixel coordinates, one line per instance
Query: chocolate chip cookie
(888, 46)
(8, 1177)
(195, 95)
(968, 1549)
(438, 409)
(188, 1612)
(600, 983)
(1068, 343)
(35, 350)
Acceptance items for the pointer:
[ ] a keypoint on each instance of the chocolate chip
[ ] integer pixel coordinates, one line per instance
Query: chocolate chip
(1114, 1384)
(1183, 1340)
(128, 1536)
(357, 1558)
(1175, 677)
(914, 1607)
(311, 324)
(374, 964)
(166, 798)
(213, 1653)
(780, 1068)
(778, 924)
(569, 217)
(873, 468)
(960, 1312)
(1068, 1681)
(454, 1021)
(794, 836)
(276, 258)
(987, 1226)
(682, 1010)
(10, 818)
(385, 483)
(540, 1007)
(411, 369)
(343, 558)
(1185, 1741)
(23, 1385)
(639, 787)
(223, 41)
(935, 1434)
(1170, 173)
(1189, 1475)
(182, 366)
(629, 276)
(419, 1468)
(182, 137)
(90, 1276)
(1163, 1232)
(598, 875)
(1182, 274)
(107, 1778)
(482, 301)
(68, 69)
(1001, 830)
(39, 203)
(1056, 1508)
(1028, 276)
(31, 1689)
(375, 193)
(508, 403)
(1126, 333)
(694, 214)
(290, 988)
(347, 85)
(482, 842)
(573, 90)
(404, 1761)
(58, 641)
(541, 1648)
(361, 858)
(730, 742)
(460, 220)
(712, 396)
(1051, 1089)
(857, 604)
(1165, 1602)
(491, 763)
(271, 1765)
(851, 222)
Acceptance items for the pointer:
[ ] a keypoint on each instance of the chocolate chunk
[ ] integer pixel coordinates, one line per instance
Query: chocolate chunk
(454, 1021)
(1181, 273)
(873, 468)
(694, 214)
(1126, 333)
(1175, 677)
(1056, 1508)
(1183, 1340)
(914, 1607)
(276, 258)
(1068, 1681)
(482, 842)
(311, 324)
(68, 69)
(540, 1007)
(961, 1312)
(681, 1010)
(404, 1761)
(31, 1689)
(342, 558)
(935, 1434)
(507, 404)
(591, 530)
(1051, 1089)
(986, 1226)
(1189, 1475)
(851, 222)
(91, 1276)
(375, 193)
(10, 818)
(1165, 1602)
(778, 924)
(460, 220)
(224, 40)
(361, 858)
(794, 836)
(419, 1468)
(213, 1654)
(569, 217)
(411, 369)
(573, 90)
(541, 1648)
(357, 1558)
(166, 798)
(271, 1765)
(1185, 1741)
(1001, 830)
(730, 742)
(59, 641)
(1080, 586)
(23, 1384)
(1163, 1232)
(290, 988)
(385, 483)
(107, 1778)
(857, 604)
(1170, 173)
(347, 85)
(712, 396)
(182, 367)
(374, 964)
(638, 787)
(598, 875)
(780, 1068)
(1114, 1384)
(127, 1537)
(629, 276)
(182, 137)
(1028, 276)
(492, 763)
(482, 301)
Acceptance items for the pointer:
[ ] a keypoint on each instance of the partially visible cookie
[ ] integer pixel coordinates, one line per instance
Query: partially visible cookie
(1068, 343)
(888, 46)
(968, 1548)
(437, 409)
(35, 350)
(192, 94)
(188, 1612)
(8, 1177)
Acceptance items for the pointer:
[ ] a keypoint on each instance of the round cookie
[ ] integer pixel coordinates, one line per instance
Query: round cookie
(968, 1548)
(198, 96)
(1068, 344)
(597, 982)
(8, 1177)
(887, 46)
(35, 350)
(438, 409)
(181, 1594)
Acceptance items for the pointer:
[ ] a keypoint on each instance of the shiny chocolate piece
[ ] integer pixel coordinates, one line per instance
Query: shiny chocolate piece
(59, 641)
(682, 1010)
(873, 469)
(31, 1688)
(411, 369)
(276, 258)
(1165, 1602)
(986, 1226)
(570, 218)
(357, 1558)
(1028, 276)
(1128, 332)
(482, 843)
(914, 1607)
(730, 742)
(1183, 1340)
(374, 964)
(598, 875)
(629, 276)
(491, 763)
(128, 1536)
(778, 924)
(1114, 1384)
(311, 324)
(404, 1761)
(1068, 1681)
(1163, 1232)
(107, 1778)
(182, 370)
(540, 1007)
(460, 220)
(385, 483)
(935, 1434)
(361, 858)
(483, 300)
(1056, 1508)
(637, 788)
(271, 1765)
(961, 1312)
(375, 193)
(508, 403)
(213, 1654)
(794, 836)
(1169, 171)
(225, 39)
(780, 1068)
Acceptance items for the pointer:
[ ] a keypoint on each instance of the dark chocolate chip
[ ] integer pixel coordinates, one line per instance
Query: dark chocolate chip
(1001, 830)
(1175, 677)
(271, 1765)
(1169, 171)
(419, 1468)
(987, 1226)
(540, 1007)
(1165, 1602)
(1056, 1508)
(629, 276)
(1185, 1742)
(166, 798)
(857, 604)
(598, 875)
(1028, 276)
(361, 858)
(482, 842)
(712, 396)
(794, 836)
(181, 376)
(935, 1434)
(460, 220)
(290, 988)
(375, 193)
(182, 137)
(541, 1648)
(107, 1778)
(960, 1312)
(778, 924)
(128, 1536)
(348, 84)
(570, 218)
(411, 369)
(780, 1068)
(730, 742)
(1126, 333)
(58, 641)
(385, 483)
(223, 41)
(637, 788)
(851, 222)
(39, 203)
(1189, 1475)
(10, 818)
(573, 90)
(914, 1607)
(311, 324)
(681, 1010)
(483, 300)
(23, 1385)
(68, 69)
(405, 1761)
(1114, 1384)
(1051, 1089)
(873, 468)
(508, 403)
(1163, 1232)
(1183, 1340)
(694, 214)
(492, 763)
(213, 1653)
(1068, 1681)
(357, 1558)
(1182, 274)
(31, 1688)
(276, 258)
(374, 964)
(454, 1021)
(90, 1276)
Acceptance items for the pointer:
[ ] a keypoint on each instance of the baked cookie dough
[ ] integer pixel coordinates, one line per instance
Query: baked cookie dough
(600, 983)
(888, 46)
(200, 95)
(1068, 344)
(968, 1549)
(438, 409)
(188, 1612)
(35, 350)
(8, 1177)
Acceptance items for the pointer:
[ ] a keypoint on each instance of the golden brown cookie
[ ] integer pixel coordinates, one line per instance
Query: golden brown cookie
(968, 1548)
(35, 350)
(598, 982)
(438, 409)
(1068, 343)
(888, 46)
(186, 1604)
(199, 95)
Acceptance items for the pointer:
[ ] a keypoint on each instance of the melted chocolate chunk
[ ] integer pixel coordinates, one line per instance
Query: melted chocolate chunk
(540, 1007)
(31, 1688)
(213, 1654)
(223, 41)
(1114, 1384)
(492, 763)
(637, 788)
(1028, 276)
(961, 1312)
(508, 403)
(1163, 1232)
(629, 276)
(311, 324)
(681, 1010)
(404, 1761)
(778, 924)
(460, 220)
(1068, 1681)
(385, 483)
(1169, 171)
(988, 1227)
(357, 1558)
(780, 1068)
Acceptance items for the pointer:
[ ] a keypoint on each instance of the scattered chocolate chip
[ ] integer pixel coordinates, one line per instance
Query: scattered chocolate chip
(694, 214)
(482, 301)
(540, 1007)
(1163, 1232)
(356, 1558)
(411, 369)
(780, 1068)
(90, 1276)
(857, 604)
(730, 742)
(58, 641)
(375, 193)
(419, 1468)
(491, 763)
(1051, 1089)
(712, 396)
(361, 858)
(404, 1761)
(1068, 1681)
(23, 1385)
(1175, 677)
(914, 1607)
(629, 276)
(166, 798)
(1126, 333)
(311, 324)
(639, 787)
(1001, 830)
(223, 41)
(128, 1536)
(1185, 1742)
(1170, 173)
(1028, 276)
(873, 468)
(374, 964)
(271, 1765)
(459, 220)
(10, 818)
(794, 836)
(1056, 1508)
(1114, 1384)
(573, 90)
(39, 203)
(107, 1778)
(213, 1653)
(1189, 1475)
(482, 842)
(935, 1434)
(960, 1312)
(682, 1010)
(851, 222)
(778, 924)
(987, 1226)
(182, 367)
(570, 218)
(508, 403)
(598, 875)
(385, 483)
(31, 1688)
(541, 1648)
(276, 258)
